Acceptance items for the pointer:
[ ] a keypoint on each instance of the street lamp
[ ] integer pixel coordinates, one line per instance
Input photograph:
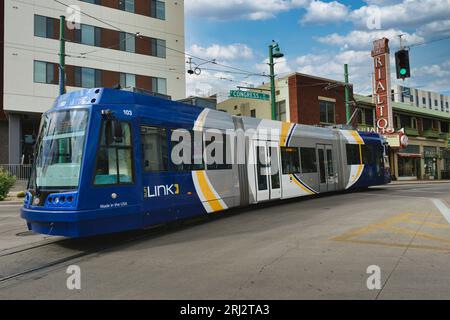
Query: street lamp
(274, 53)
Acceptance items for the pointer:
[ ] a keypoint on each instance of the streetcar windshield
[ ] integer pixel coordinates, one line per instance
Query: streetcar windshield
(59, 150)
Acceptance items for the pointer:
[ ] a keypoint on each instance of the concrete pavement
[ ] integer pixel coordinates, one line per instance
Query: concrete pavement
(316, 248)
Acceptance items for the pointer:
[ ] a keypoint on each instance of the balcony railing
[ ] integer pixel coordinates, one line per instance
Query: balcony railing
(430, 133)
(411, 132)
(445, 135)
(21, 172)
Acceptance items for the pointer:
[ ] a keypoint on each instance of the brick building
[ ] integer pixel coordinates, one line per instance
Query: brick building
(117, 43)
(300, 98)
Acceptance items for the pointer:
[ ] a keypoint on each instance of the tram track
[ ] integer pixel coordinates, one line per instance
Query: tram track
(48, 255)
(26, 261)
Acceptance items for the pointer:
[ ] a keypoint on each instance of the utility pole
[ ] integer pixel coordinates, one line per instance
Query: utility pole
(62, 55)
(347, 94)
(274, 53)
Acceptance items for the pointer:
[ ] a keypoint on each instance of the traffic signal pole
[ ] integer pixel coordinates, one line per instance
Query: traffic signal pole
(62, 55)
(347, 94)
(272, 84)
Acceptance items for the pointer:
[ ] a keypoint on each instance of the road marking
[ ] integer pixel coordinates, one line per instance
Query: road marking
(357, 236)
(442, 208)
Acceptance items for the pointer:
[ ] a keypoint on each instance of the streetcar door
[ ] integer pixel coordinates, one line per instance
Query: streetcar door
(327, 168)
(268, 175)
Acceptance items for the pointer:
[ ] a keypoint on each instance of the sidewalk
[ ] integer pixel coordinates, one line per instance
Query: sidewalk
(398, 183)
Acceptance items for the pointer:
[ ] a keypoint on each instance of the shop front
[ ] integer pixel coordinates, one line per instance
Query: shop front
(445, 155)
(409, 160)
(431, 158)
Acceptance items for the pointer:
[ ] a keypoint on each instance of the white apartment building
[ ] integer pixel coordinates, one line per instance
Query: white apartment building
(421, 98)
(131, 43)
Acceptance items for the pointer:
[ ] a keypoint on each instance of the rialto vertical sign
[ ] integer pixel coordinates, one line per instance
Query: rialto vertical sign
(382, 86)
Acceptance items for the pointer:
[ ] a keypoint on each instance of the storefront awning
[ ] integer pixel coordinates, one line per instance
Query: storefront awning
(410, 155)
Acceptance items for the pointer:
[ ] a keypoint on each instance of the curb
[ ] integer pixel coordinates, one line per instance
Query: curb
(11, 203)
(418, 183)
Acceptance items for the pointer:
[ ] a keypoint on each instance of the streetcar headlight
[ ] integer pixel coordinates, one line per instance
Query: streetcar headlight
(62, 200)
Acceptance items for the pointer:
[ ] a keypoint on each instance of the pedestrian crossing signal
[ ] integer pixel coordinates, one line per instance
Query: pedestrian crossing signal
(402, 64)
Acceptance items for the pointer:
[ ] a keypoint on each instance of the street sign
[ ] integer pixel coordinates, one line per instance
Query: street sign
(249, 95)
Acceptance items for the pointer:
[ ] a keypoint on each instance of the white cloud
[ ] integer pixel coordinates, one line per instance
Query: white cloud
(236, 51)
(358, 39)
(282, 67)
(325, 12)
(435, 29)
(408, 13)
(240, 9)
(434, 77)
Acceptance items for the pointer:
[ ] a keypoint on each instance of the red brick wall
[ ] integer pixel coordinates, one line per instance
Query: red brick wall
(304, 93)
(110, 79)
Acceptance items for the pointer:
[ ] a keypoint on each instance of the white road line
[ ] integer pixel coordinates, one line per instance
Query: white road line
(442, 208)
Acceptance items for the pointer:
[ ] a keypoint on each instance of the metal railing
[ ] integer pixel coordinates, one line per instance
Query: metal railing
(20, 171)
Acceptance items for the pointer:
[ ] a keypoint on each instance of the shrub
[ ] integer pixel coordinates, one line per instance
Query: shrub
(21, 194)
(6, 182)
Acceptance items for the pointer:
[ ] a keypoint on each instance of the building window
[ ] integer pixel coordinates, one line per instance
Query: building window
(159, 85)
(158, 10)
(155, 149)
(290, 159)
(327, 112)
(44, 72)
(369, 118)
(366, 117)
(158, 48)
(127, 5)
(87, 77)
(427, 124)
(253, 113)
(88, 35)
(127, 80)
(127, 42)
(281, 110)
(308, 160)
(44, 27)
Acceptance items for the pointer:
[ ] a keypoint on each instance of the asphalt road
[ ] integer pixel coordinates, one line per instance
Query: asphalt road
(319, 248)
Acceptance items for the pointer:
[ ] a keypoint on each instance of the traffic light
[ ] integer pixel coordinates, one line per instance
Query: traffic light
(402, 63)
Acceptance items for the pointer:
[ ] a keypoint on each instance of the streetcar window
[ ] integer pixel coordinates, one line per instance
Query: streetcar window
(290, 159)
(114, 160)
(309, 160)
(155, 149)
(262, 168)
(217, 148)
(353, 154)
(368, 154)
(187, 150)
(379, 159)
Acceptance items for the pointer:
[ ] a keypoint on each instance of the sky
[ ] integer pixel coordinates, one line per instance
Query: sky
(317, 38)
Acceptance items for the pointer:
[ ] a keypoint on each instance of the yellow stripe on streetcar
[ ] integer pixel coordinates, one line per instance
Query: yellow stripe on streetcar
(208, 193)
